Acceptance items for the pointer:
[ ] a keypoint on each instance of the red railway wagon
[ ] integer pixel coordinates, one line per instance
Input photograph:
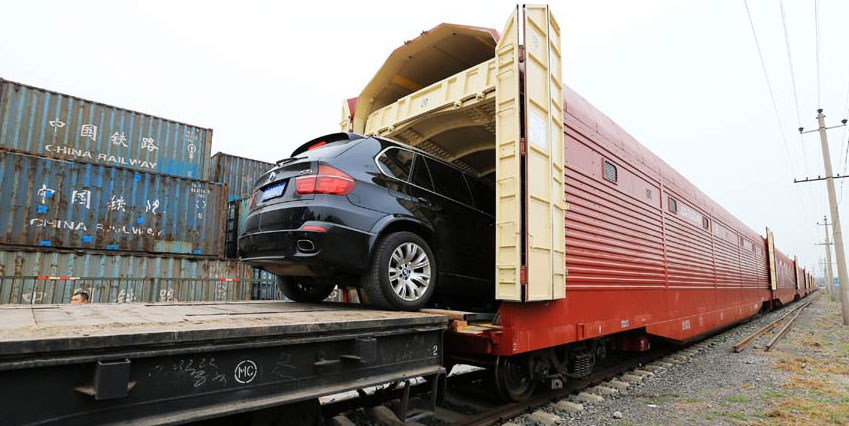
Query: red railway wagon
(639, 254)
(645, 251)
(785, 274)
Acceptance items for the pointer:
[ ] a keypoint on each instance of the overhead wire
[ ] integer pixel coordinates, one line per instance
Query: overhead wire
(769, 87)
(790, 63)
(793, 82)
(772, 98)
(844, 143)
(817, 26)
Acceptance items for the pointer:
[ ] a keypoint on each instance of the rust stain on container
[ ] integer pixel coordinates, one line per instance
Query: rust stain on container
(64, 204)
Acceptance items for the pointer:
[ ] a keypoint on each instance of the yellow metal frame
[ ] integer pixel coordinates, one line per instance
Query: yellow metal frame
(346, 123)
(494, 86)
(508, 160)
(770, 243)
(545, 198)
(799, 275)
(467, 88)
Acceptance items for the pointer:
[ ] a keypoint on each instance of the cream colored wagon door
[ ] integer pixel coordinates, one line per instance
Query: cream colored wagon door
(770, 244)
(530, 208)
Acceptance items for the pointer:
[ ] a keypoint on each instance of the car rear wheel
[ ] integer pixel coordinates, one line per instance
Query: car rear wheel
(303, 289)
(402, 273)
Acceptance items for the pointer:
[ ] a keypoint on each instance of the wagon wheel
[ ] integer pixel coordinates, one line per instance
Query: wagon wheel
(514, 377)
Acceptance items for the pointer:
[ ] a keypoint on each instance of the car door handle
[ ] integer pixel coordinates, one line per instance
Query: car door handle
(425, 202)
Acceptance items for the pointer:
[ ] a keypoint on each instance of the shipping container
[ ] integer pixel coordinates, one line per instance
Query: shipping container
(50, 202)
(238, 173)
(36, 276)
(45, 122)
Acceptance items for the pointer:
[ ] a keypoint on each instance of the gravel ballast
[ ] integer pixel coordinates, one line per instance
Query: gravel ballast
(804, 380)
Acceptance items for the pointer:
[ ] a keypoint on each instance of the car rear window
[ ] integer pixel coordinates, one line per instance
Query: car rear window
(396, 162)
(449, 182)
(483, 194)
(421, 176)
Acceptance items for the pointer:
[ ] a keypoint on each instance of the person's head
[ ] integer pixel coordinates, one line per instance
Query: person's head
(80, 297)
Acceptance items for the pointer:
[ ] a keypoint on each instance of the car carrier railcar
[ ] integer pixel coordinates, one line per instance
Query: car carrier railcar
(599, 243)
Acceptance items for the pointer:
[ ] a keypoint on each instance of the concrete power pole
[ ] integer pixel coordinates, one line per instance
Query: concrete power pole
(829, 273)
(835, 215)
(835, 219)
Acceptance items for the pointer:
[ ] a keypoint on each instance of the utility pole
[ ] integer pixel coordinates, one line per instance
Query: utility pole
(842, 275)
(829, 273)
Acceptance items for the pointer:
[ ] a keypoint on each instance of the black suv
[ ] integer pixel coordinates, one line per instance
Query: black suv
(368, 212)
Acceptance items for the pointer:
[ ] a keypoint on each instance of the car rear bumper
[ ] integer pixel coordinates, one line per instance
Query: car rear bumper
(338, 249)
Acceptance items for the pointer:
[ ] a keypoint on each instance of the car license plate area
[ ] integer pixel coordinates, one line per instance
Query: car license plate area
(273, 191)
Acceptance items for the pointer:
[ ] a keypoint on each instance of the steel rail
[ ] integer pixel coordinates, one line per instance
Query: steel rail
(741, 345)
(515, 409)
(786, 327)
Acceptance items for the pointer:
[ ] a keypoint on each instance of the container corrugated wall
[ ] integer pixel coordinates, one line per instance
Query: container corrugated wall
(238, 173)
(146, 278)
(49, 202)
(71, 263)
(44, 122)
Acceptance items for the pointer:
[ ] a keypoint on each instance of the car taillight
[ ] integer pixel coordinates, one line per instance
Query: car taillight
(329, 180)
(253, 198)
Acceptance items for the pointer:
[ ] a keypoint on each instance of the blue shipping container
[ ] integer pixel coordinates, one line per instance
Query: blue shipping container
(49, 202)
(238, 173)
(51, 277)
(43, 122)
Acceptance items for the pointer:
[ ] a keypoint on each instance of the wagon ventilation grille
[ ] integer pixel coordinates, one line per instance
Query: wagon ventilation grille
(610, 173)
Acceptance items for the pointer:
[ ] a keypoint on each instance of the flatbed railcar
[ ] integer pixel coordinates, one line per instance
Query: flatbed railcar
(600, 244)
(180, 362)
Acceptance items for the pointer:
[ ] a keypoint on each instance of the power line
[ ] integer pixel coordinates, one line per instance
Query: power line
(790, 62)
(774, 104)
(845, 142)
(793, 81)
(769, 86)
(817, 26)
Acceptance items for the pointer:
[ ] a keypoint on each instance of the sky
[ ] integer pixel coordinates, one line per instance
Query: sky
(683, 77)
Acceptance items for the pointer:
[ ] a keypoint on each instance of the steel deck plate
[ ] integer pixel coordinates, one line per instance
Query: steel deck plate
(51, 328)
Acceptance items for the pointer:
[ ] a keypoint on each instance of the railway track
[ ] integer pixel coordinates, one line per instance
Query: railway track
(470, 398)
(599, 378)
(795, 311)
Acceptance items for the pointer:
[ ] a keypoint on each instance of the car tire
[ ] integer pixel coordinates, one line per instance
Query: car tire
(303, 289)
(412, 263)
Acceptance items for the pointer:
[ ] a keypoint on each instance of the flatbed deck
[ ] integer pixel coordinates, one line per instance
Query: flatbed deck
(172, 363)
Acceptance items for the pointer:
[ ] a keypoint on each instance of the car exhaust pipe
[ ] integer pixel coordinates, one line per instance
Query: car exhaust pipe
(306, 246)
